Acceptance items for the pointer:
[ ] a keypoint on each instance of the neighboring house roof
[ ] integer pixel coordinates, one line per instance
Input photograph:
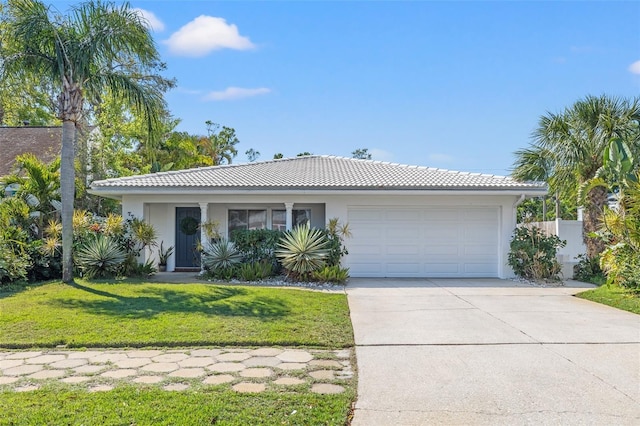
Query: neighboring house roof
(44, 142)
(316, 172)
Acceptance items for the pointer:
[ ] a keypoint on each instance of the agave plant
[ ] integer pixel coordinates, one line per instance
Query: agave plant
(302, 251)
(222, 254)
(100, 257)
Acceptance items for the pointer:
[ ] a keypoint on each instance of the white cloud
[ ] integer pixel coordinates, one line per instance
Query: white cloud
(151, 19)
(205, 34)
(381, 155)
(233, 93)
(634, 68)
(440, 158)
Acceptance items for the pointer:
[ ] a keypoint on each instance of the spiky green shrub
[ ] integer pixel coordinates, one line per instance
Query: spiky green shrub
(100, 257)
(222, 254)
(302, 251)
(332, 274)
(255, 271)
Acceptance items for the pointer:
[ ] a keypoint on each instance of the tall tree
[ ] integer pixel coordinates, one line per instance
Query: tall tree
(575, 141)
(361, 153)
(219, 144)
(95, 47)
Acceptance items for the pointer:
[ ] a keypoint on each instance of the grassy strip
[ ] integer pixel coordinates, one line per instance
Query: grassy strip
(148, 406)
(130, 314)
(617, 297)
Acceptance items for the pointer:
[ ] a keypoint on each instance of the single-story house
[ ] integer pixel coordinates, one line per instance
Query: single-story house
(406, 221)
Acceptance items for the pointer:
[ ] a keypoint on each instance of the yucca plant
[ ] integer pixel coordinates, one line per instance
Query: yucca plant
(100, 256)
(222, 254)
(302, 251)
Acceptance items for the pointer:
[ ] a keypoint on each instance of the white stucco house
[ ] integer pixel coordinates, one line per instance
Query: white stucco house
(406, 221)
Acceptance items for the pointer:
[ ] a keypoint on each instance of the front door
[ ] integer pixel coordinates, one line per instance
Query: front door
(187, 237)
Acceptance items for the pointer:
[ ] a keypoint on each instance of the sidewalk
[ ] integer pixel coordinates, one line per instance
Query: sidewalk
(243, 370)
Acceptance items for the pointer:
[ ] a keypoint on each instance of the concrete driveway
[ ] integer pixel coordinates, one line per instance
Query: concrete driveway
(488, 351)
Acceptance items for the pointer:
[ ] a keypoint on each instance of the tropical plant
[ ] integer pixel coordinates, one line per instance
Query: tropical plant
(620, 229)
(221, 254)
(533, 254)
(302, 251)
(255, 271)
(336, 234)
(97, 46)
(574, 141)
(163, 255)
(219, 144)
(39, 185)
(332, 274)
(100, 257)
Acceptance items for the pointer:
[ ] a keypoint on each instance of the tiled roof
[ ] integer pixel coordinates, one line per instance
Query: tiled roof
(44, 142)
(314, 173)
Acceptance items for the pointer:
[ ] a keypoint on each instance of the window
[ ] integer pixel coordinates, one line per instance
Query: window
(279, 218)
(247, 219)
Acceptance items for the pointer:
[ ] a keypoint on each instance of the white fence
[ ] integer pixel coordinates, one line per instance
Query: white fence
(569, 231)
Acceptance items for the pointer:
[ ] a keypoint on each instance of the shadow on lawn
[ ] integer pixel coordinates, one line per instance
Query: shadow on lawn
(224, 301)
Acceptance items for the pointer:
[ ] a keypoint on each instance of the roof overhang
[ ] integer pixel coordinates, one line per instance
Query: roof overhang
(118, 192)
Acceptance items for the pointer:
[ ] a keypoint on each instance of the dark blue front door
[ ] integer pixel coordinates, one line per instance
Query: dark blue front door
(187, 237)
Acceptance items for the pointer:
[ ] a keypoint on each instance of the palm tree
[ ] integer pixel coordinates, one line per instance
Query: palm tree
(219, 145)
(574, 142)
(533, 164)
(38, 184)
(94, 48)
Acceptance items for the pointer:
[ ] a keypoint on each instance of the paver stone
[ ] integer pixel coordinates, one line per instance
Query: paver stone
(269, 352)
(245, 387)
(262, 361)
(69, 363)
(171, 357)
(256, 372)
(161, 367)
(322, 374)
(226, 367)
(23, 370)
(218, 379)
(120, 374)
(233, 356)
(201, 361)
(45, 359)
(188, 372)
(295, 356)
(325, 388)
(47, 374)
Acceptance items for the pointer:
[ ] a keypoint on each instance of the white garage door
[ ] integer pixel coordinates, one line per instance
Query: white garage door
(423, 242)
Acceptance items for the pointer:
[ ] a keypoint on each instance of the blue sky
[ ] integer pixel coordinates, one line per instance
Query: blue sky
(456, 85)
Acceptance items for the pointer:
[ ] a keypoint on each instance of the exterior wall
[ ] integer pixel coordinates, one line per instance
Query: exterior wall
(571, 232)
(160, 210)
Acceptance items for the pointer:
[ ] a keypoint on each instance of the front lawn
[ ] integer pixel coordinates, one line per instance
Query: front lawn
(129, 405)
(130, 314)
(617, 297)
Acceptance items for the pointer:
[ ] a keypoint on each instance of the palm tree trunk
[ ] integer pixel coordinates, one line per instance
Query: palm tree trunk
(67, 194)
(596, 200)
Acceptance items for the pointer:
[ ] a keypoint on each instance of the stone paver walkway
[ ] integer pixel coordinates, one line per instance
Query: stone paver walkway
(243, 370)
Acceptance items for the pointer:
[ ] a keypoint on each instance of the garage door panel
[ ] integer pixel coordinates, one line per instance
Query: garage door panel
(364, 250)
(407, 268)
(480, 214)
(429, 241)
(432, 269)
(400, 233)
(366, 269)
(403, 249)
(482, 250)
(403, 215)
(483, 233)
(439, 215)
(481, 269)
(441, 249)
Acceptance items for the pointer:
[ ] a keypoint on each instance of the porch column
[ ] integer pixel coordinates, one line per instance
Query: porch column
(204, 217)
(289, 215)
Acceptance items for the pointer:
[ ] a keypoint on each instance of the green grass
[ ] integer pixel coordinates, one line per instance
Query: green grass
(130, 314)
(617, 297)
(129, 405)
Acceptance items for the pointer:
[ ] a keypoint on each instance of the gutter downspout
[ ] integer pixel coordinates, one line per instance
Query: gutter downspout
(515, 208)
